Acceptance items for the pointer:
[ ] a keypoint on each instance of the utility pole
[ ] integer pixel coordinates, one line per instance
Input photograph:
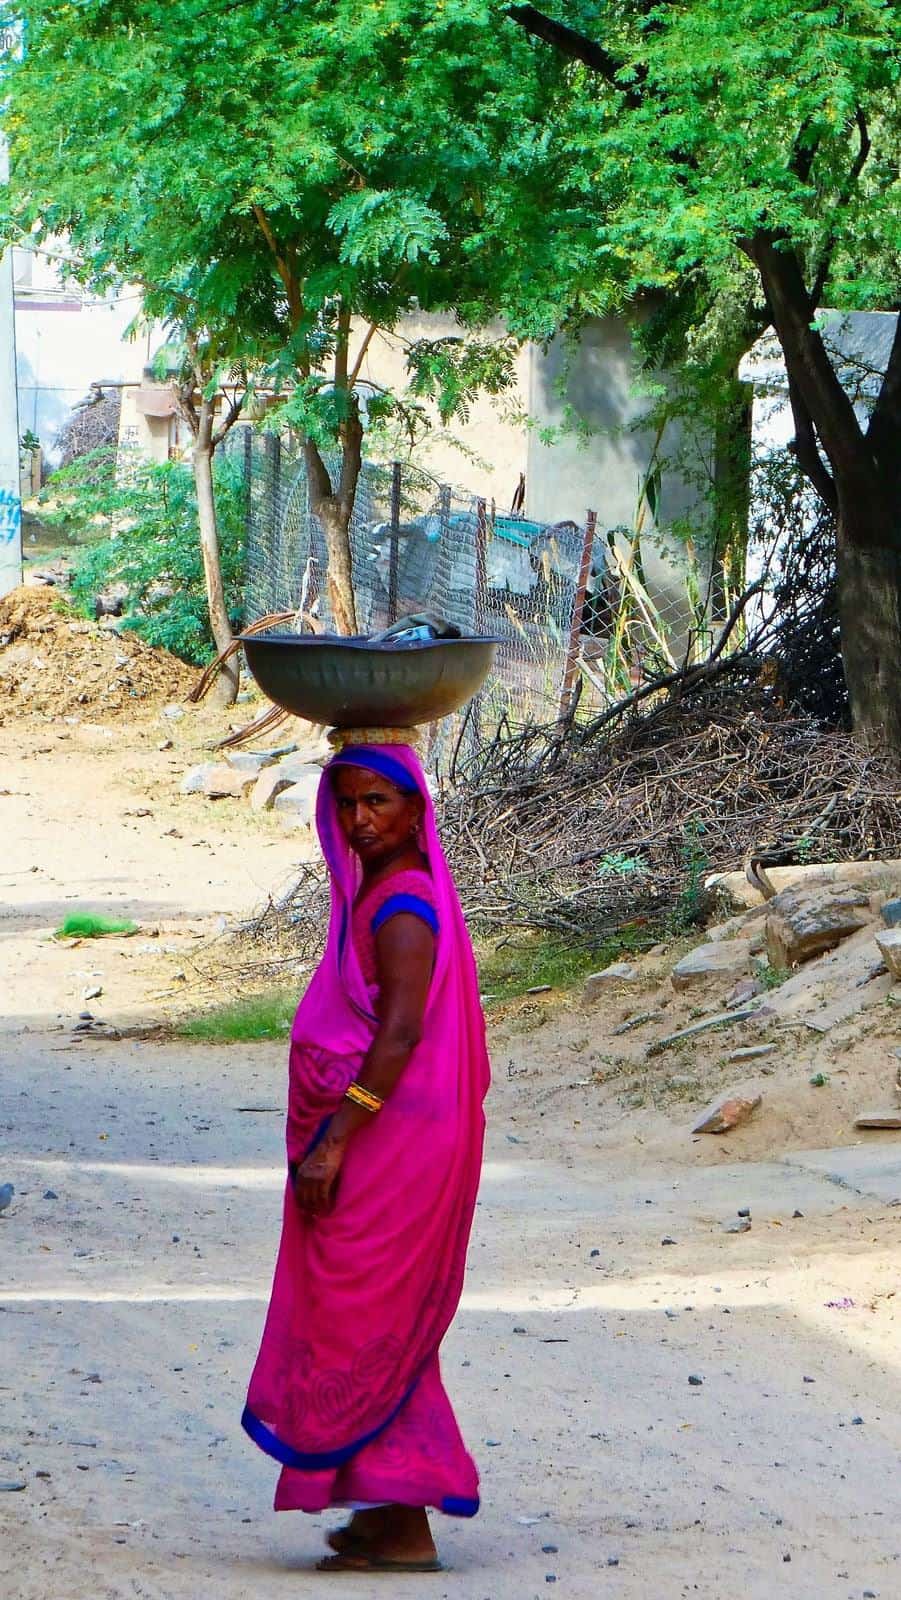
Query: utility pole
(10, 491)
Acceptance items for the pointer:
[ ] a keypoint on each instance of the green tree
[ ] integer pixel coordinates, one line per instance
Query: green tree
(697, 147)
(302, 173)
(135, 524)
(212, 385)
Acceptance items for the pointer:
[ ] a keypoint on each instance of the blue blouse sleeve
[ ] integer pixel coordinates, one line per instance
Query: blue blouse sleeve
(411, 903)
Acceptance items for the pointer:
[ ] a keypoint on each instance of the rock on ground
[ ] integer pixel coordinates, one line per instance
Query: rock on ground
(721, 1019)
(297, 804)
(725, 1114)
(298, 765)
(889, 1118)
(255, 760)
(598, 982)
(728, 958)
(271, 782)
(889, 944)
(216, 781)
(804, 922)
(734, 890)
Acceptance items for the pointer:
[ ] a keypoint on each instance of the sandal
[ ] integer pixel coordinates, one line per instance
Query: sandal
(359, 1561)
(344, 1539)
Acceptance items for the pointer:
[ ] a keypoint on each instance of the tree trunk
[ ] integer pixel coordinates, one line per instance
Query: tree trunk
(334, 508)
(869, 600)
(731, 497)
(335, 526)
(863, 489)
(226, 687)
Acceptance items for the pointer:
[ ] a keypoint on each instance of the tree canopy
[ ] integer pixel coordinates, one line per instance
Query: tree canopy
(684, 133)
(700, 147)
(300, 173)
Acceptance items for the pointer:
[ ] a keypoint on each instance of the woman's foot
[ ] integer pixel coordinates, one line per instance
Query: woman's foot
(362, 1527)
(403, 1538)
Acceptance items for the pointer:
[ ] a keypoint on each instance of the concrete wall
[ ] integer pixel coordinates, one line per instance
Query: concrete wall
(498, 443)
(599, 380)
(66, 339)
(153, 438)
(10, 496)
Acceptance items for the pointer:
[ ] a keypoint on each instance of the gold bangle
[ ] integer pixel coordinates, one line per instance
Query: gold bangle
(364, 1097)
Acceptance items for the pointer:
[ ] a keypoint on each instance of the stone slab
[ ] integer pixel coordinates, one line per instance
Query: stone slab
(728, 1112)
(255, 760)
(860, 998)
(889, 945)
(216, 780)
(297, 767)
(736, 890)
(805, 922)
(598, 982)
(722, 1019)
(270, 783)
(726, 959)
(297, 804)
(861, 1169)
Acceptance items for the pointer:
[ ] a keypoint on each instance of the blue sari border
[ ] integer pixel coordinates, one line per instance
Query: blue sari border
(457, 1506)
(412, 903)
(311, 1461)
(362, 755)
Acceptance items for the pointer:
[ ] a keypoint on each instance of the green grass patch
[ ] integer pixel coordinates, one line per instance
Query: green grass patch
(258, 1016)
(84, 925)
(773, 977)
(511, 969)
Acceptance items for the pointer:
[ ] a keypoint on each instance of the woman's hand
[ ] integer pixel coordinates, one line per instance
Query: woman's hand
(316, 1177)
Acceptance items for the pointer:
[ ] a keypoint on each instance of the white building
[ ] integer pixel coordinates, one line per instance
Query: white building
(858, 343)
(67, 339)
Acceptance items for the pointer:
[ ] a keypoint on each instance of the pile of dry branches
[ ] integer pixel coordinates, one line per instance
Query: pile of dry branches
(92, 425)
(627, 826)
(578, 835)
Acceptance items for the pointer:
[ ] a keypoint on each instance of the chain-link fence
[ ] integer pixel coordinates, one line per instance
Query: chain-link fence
(577, 623)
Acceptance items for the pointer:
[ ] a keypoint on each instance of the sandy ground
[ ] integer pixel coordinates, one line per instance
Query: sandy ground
(136, 1256)
(91, 820)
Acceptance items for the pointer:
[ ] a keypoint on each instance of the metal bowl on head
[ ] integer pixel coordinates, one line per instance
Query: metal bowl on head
(354, 683)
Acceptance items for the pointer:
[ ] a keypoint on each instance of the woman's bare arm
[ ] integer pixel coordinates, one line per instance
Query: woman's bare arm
(405, 951)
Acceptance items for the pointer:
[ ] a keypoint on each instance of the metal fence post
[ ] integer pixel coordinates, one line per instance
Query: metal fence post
(248, 478)
(572, 653)
(273, 447)
(394, 541)
(480, 608)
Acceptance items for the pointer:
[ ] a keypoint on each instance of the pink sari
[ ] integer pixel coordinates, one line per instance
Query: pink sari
(346, 1392)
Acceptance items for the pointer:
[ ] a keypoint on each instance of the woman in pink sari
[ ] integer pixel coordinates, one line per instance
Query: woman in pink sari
(388, 1072)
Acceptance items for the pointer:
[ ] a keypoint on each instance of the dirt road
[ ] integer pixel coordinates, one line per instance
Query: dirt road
(134, 1268)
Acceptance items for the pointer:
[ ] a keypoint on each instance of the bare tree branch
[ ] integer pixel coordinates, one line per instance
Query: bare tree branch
(884, 428)
(805, 354)
(361, 353)
(283, 265)
(828, 245)
(235, 407)
(807, 450)
(803, 153)
(575, 46)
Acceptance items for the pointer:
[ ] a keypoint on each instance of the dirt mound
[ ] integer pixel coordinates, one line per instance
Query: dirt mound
(53, 663)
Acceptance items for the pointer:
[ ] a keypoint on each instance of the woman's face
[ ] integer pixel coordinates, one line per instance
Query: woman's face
(378, 820)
